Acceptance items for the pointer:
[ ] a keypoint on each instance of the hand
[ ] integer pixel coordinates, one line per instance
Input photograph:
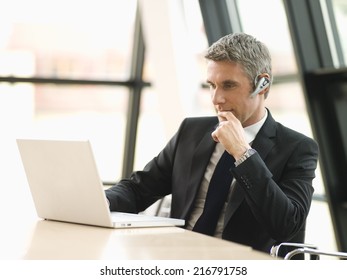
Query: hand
(231, 135)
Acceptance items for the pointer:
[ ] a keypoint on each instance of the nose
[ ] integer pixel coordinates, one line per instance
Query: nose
(217, 97)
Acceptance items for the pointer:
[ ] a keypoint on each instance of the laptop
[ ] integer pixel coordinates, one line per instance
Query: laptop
(65, 186)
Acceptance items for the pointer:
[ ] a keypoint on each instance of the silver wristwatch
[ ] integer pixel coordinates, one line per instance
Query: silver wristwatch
(245, 156)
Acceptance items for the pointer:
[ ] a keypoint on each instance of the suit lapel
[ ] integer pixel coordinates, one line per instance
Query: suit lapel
(263, 143)
(265, 139)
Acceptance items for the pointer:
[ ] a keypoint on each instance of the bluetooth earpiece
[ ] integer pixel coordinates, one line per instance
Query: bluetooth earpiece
(262, 84)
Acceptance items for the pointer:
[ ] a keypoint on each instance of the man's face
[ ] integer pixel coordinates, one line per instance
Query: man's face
(231, 91)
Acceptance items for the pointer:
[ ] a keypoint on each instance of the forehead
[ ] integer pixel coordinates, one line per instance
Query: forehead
(218, 71)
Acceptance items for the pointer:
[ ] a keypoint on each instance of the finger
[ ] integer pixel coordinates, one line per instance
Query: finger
(214, 136)
(220, 124)
(226, 115)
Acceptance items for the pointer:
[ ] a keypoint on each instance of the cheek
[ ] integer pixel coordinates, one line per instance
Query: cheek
(243, 109)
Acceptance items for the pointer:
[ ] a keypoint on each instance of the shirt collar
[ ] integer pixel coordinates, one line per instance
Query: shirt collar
(252, 130)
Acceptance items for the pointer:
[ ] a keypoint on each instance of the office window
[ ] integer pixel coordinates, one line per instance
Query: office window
(201, 101)
(79, 40)
(69, 39)
(340, 13)
(175, 66)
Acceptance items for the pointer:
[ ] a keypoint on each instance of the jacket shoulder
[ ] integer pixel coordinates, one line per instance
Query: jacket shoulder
(195, 128)
(291, 134)
(201, 121)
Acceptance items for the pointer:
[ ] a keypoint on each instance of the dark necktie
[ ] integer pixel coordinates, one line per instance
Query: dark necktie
(216, 195)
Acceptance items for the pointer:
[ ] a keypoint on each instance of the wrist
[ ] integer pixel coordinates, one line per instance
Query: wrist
(248, 153)
(240, 152)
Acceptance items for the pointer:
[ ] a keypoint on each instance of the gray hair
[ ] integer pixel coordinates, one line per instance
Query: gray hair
(251, 54)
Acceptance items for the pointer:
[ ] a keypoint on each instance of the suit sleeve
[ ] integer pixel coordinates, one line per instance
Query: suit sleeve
(281, 203)
(145, 187)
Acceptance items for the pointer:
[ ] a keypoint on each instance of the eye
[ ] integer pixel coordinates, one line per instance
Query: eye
(227, 86)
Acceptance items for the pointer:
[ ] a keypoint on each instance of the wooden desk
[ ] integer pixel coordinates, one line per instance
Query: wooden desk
(56, 241)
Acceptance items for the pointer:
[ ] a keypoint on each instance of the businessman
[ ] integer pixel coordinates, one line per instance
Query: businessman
(239, 175)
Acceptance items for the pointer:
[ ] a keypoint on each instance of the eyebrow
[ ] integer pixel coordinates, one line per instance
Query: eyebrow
(231, 82)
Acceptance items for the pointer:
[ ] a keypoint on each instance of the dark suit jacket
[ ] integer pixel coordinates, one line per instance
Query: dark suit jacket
(270, 201)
